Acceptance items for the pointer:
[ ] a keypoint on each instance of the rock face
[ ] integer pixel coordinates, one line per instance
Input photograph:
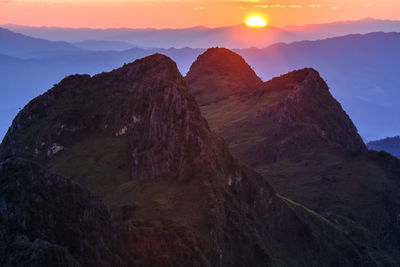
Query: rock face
(219, 73)
(293, 132)
(48, 220)
(309, 109)
(278, 115)
(136, 138)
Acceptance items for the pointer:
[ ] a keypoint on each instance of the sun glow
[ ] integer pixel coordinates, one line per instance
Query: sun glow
(256, 21)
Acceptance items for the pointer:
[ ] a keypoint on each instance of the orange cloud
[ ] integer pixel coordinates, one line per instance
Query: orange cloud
(277, 6)
(187, 13)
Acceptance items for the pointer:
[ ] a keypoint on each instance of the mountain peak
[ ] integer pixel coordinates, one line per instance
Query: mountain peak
(219, 73)
(300, 77)
(157, 65)
(155, 58)
(305, 108)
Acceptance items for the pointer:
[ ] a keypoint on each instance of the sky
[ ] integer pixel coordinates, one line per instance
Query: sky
(188, 13)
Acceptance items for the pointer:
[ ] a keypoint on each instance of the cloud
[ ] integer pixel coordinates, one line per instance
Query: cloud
(277, 6)
(369, 5)
(335, 8)
(248, 1)
(314, 5)
(199, 8)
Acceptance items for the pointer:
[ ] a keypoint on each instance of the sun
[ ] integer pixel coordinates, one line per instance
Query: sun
(256, 21)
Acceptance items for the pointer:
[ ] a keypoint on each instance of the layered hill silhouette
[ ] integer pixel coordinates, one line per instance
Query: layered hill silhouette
(293, 132)
(17, 44)
(389, 144)
(235, 36)
(135, 137)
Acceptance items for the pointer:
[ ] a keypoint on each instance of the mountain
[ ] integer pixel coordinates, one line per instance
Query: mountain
(236, 36)
(360, 69)
(296, 94)
(24, 79)
(136, 138)
(101, 45)
(339, 28)
(293, 132)
(226, 73)
(390, 145)
(23, 46)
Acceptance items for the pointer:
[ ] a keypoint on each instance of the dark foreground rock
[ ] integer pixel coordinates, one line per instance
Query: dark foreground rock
(47, 220)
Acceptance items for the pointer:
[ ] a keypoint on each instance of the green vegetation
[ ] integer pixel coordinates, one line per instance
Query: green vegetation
(297, 136)
(177, 196)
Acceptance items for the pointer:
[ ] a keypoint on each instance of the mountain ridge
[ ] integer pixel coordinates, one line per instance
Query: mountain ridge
(135, 137)
(208, 37)
(370, 59)
(390, 145)
(13, 44)
(293, 132)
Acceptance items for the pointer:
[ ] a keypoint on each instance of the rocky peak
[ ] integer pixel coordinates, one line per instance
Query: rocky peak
(136, 137)
(219, 73)
(297, 77)
(157, 66)
(145, 103)
(309, 107)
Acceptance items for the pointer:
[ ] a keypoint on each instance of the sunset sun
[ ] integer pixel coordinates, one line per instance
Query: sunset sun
(256, 21)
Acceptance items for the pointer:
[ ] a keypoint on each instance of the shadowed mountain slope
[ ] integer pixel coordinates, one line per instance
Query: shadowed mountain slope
(293, 132)
(47, 220)
(135, 137)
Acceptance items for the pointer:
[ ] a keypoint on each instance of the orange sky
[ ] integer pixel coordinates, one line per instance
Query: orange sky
(186, 13)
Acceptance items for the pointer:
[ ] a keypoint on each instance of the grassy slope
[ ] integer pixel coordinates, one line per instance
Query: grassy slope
(321, 177)
(355, 191)
(102, 164)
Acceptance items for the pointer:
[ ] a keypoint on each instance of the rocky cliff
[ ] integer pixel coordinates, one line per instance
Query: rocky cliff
(277, 115)
(47, 220)
(293, 132)
(136, 138)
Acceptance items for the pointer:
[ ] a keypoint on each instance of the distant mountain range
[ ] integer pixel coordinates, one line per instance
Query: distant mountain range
(389, 144)
(19, 45)
(101, 45)
(237, 36)
(362, 70)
